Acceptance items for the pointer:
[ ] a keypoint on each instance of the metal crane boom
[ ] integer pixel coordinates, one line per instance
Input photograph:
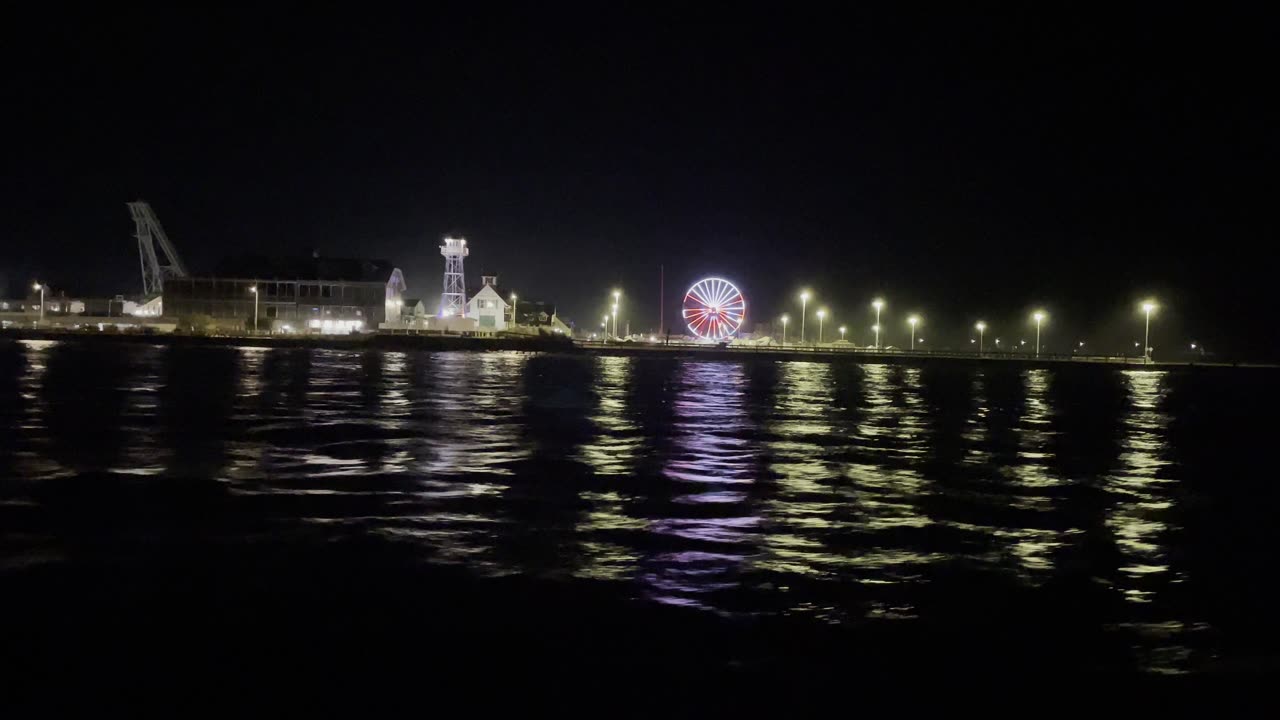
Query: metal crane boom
(149, 234)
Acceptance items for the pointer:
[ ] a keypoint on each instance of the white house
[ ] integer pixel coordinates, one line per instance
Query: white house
(487, 307)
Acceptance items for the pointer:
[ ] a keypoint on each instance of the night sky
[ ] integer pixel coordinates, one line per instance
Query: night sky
(963, 165)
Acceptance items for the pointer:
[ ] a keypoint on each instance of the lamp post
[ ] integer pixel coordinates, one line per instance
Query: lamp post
(1039, 317)
(842, 329)
(513, 309)
(784, 329)
(821, 314)
(40, 287)
(982, 327)
(617, 303)
(254, 289)
(605, 325)
(1147, 307)
(804, 301)
(913, 320)
(877, 304)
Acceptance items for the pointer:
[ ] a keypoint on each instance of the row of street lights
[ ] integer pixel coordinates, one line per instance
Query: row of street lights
(1039, 316)
(617, 302)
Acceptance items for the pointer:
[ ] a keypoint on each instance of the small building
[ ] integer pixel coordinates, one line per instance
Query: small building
(317, 295)
(487, 307)
(413, 309)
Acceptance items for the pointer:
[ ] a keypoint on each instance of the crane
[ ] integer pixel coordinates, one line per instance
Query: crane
(150, 234)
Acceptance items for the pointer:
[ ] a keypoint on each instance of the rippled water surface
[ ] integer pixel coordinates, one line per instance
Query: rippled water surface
(1134, 505)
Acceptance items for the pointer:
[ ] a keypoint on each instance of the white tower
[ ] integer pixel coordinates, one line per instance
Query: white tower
(453, 301)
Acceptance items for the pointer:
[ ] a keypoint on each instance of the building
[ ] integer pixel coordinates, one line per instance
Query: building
(413, 309)
(317, 295)
(487, 307)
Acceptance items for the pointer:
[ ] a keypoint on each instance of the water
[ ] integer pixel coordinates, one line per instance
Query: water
(1080, 517)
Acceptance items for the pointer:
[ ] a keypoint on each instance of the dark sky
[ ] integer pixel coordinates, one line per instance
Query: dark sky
(968, 164)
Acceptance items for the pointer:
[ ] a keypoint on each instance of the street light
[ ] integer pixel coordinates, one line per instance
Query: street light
(913, 320)
(1039, 317)
(804, 301)
(982, 328)
(40, 287)
(877, 304)
(617, 303)
(842, 329)
(513, 309)
(784, 329)
(254, 289)
(1147, 307)
(605, 335)
(821, 314)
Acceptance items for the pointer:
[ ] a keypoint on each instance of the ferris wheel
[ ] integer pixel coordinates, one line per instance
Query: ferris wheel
(714, 309)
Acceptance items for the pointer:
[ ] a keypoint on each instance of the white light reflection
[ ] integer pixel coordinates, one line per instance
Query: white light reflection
(139, 419)
(32, 457)
(613, 449)
(893, 441)
(1142, 500)
(1033, 484)
(801, 512)
(609, 454)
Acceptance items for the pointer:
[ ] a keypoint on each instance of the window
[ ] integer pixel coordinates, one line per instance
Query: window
(326, 291)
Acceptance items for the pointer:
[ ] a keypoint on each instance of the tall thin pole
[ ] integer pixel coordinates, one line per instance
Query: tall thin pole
(662, 294)
(1146, 341)
(1038, 337)
(981, 332)
(913, 336)
(877, 326)
(804, 300)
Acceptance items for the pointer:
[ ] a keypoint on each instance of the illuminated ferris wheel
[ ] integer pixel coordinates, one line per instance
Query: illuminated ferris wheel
(714, 309)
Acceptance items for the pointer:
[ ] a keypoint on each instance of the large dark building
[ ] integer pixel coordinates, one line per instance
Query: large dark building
(319, 295)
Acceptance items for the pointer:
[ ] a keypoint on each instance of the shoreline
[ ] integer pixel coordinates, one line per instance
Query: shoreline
(438, 343)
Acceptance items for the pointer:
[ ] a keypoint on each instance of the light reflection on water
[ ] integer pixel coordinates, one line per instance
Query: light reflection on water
(711, 467)
(734, 487)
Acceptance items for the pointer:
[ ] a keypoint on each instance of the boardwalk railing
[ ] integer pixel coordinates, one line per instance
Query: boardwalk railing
(828, 351)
